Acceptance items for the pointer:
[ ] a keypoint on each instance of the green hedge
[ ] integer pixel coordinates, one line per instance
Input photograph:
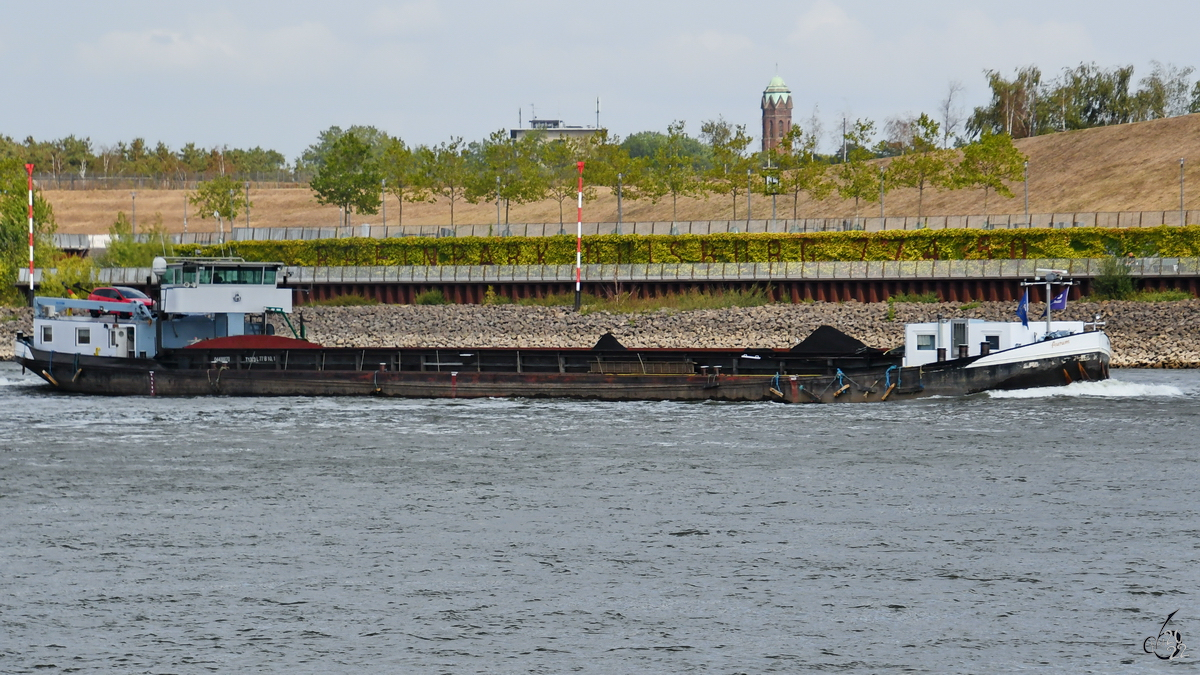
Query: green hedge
(959, 244)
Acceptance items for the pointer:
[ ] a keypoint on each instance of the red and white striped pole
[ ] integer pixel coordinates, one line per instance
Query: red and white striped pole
(29, 170)
(579, 243)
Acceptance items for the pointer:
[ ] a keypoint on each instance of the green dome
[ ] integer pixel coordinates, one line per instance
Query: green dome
(777, 91)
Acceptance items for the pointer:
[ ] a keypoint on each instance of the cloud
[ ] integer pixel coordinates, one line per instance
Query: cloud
(407, 19)
(825, 23)
(220, 49)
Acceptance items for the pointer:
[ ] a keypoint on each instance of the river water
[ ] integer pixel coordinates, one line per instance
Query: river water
(1044, 530)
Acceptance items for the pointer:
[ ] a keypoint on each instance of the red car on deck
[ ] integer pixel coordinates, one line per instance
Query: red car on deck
(117, 294)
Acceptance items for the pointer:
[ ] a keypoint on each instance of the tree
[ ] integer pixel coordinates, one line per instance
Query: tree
(447, 171)
(923, 163)
(222, 196)
(857, 179)
(1014, 108)
(349, 177)
(560, 166)
(14, 227)
(128, 250)
(988, 163)
(673, 169)
(314, 156)
(610, 165)
(950, 112)
(506, 168)
(727, 145)
(1164, 92)
(800, 168)
(404, 174)
(1089, 96)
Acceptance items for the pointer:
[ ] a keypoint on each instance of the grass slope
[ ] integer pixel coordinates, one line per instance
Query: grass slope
(1131, 167)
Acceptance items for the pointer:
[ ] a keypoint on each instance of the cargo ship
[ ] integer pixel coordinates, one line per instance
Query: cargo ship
(211, 331)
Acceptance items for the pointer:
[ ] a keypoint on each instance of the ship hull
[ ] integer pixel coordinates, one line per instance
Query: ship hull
(233, 374)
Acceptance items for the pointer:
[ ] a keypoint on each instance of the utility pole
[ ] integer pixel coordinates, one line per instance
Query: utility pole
(1182, 213)
(383, 202)
(185, 202)
(843, 140)
(133, 196)
(1026, 192)
(247, 205)
(497, 204)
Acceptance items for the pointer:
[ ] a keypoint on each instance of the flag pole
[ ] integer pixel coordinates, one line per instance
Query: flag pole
(579, 243)
(29, 170)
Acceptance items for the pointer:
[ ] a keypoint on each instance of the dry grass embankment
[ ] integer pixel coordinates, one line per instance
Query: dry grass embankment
(1131, 167)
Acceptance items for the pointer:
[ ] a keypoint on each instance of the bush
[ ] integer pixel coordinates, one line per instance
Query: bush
(431, 297)
(1114, 282)
(1161, 296)
(71, 275)
(929, 297)
(491, 297)
(910, 245)
(124, 250)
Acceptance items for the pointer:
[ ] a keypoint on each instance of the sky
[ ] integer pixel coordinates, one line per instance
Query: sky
(274, 73)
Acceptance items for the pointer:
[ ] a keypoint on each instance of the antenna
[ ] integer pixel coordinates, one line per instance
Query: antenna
(532, 112)
(519, 122)
(597, 112)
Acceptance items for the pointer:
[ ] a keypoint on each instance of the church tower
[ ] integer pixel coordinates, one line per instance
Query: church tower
(776, 113)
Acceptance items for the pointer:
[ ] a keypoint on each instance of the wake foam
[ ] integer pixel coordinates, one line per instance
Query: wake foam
(1103, 389)
(19, 381)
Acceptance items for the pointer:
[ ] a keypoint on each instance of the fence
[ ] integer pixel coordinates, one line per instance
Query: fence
(702, 272)
(258, 181)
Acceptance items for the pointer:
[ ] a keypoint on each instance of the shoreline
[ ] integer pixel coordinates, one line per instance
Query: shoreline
(1143, 334)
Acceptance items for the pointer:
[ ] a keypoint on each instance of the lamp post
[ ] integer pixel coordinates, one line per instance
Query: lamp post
(882, 192)
(771, 181)
(619, 177)
(220, 227)
(497, 204)
(133, 197)
(247, 205)
(1182, 213)
(748, 191)
(383, 202)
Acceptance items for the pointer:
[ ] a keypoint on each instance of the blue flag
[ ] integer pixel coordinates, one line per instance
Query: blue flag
(1060, 300)
(1023, 309)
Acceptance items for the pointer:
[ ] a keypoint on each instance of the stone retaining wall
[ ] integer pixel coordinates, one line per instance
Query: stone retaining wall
(1157, 335)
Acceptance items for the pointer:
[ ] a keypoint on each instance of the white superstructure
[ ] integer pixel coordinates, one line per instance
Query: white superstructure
(923, 340)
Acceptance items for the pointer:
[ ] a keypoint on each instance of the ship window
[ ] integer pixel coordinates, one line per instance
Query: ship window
(269, 277)
(47, 334)
(83, 336)
(205, 275)
(189, 275)
(250, 275)
(925, 342)
(993, 342)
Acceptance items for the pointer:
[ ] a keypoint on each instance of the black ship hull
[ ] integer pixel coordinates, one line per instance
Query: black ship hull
(654, 374)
